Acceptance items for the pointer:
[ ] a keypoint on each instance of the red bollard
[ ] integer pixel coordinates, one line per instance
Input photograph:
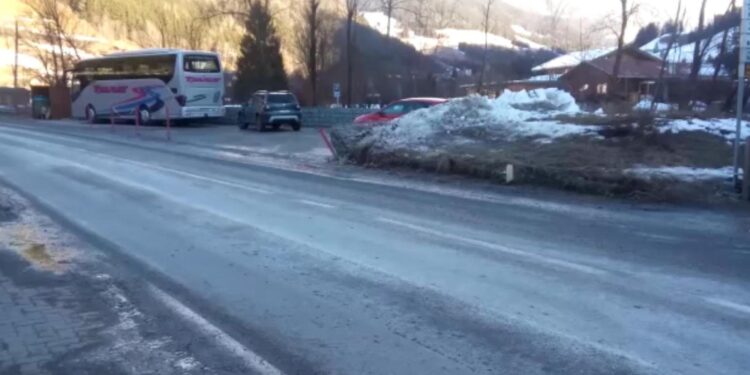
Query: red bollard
(327, 140)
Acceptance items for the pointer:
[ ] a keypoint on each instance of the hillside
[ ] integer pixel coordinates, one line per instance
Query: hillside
(433, 43)
(103, 26)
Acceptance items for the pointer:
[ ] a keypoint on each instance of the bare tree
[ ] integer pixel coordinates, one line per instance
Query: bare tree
(628, 8)
(558, 11)
(15, 56)
(679, 20)
(486, 26)
(698, 51)
(389, 6)
(723, 46)
(308, 44)
(352, 9)
(434, 14)
(57, 47)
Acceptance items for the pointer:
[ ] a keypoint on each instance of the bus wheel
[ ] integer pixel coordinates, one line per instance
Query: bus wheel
(90, 114)
(144, 116)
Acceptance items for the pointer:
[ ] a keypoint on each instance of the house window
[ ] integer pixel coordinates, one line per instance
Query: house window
(601, 88)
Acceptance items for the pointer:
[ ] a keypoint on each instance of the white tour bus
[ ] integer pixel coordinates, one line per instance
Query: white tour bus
(150, 85)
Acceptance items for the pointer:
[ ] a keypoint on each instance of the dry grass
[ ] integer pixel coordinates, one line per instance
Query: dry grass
(37, 253)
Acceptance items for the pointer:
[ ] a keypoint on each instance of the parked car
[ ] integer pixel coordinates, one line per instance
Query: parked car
(270, 108)
(397, 109)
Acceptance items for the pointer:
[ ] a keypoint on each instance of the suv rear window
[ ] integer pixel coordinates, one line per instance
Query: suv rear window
(201, 64)
(280, 98)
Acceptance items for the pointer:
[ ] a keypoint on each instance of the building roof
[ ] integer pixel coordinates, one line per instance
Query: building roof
(631, 66)
(571, 59)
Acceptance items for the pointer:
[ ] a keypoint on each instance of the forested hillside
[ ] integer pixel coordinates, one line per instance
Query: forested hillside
(347, 50)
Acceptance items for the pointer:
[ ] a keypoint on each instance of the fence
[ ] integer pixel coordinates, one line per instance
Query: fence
(311, 117)
(328, 117)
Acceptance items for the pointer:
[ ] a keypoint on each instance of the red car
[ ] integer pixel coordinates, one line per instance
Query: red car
(397, 109)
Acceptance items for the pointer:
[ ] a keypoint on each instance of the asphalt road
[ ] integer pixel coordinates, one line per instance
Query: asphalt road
(313, 273)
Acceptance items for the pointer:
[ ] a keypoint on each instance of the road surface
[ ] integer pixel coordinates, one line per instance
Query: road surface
(301, 273)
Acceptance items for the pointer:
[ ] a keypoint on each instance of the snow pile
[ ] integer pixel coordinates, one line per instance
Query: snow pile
(645, 105)
(512, 115)
(547, 100)
(687, 174)
(723, 127)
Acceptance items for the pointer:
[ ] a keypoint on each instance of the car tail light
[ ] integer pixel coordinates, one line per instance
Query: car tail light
(181, 100)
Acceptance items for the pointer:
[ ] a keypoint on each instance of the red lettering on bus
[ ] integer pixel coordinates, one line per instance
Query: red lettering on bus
(110, 89)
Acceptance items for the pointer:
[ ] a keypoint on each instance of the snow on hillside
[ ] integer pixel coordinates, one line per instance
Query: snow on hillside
(450, 37)
(7, 58)
(521, 31)
(454, 37)
(379, 22)
(682, 54)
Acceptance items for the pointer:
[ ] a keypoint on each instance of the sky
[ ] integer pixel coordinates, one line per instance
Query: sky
(651, 10)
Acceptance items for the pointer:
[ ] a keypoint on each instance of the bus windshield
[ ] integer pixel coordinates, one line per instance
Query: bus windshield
(201, 64)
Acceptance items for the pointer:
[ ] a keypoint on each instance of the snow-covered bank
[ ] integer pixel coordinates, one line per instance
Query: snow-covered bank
(550, 141)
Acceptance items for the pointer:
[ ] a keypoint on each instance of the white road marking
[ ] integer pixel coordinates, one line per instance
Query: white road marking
(504, 249)
(316, 204)
(738, 307)
(250, 358)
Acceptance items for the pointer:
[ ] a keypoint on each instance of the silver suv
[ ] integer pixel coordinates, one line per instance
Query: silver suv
(271, 108)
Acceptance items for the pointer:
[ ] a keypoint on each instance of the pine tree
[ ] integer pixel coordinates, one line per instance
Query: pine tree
(260, 66)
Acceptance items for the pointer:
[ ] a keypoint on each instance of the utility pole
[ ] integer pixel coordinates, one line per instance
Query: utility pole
(744, 31)
(15, 62)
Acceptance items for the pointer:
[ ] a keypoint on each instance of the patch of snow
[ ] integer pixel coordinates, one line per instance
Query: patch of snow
(7, 58)
(722, 127)
(600, 112)
(511, 115)
(530, 43)
(687, 174)
(545, 78)
(422, 43)
(450, 37)
(520, 30)
(379, 22)
(187, 363)
(645, 105)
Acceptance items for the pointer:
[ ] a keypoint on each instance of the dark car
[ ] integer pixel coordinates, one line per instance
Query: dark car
(271, 108)
(397, 109)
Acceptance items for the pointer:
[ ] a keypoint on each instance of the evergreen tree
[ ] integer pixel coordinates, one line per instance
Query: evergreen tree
(260, 66)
